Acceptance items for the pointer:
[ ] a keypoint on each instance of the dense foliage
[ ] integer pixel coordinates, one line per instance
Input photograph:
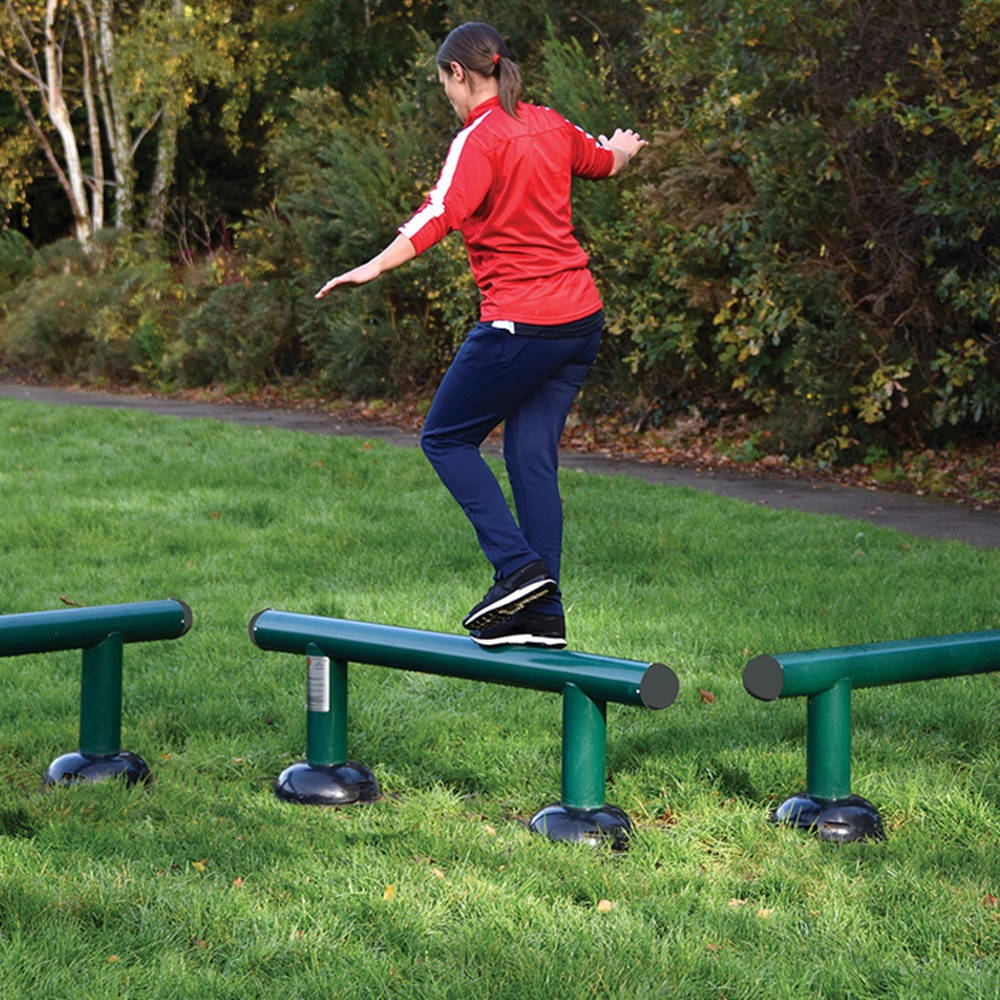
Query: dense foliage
(811, 238)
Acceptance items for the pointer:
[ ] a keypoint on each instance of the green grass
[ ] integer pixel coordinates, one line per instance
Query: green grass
(206, 886)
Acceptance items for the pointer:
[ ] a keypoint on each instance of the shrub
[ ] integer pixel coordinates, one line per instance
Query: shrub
(46, 330)
(16, 259)
(243, 335)
(820, 229)
(106, 314)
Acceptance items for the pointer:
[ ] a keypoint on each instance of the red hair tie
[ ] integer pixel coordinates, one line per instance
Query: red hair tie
(496, 58)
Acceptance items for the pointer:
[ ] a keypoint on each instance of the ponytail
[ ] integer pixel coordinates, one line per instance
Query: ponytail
(509, 80)
(479, 48)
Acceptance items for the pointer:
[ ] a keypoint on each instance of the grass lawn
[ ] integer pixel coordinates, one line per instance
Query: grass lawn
(206, 886)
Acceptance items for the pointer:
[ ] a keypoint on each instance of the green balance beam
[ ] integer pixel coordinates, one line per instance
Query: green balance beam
(101, 633)
(826, 678)
(586, 681)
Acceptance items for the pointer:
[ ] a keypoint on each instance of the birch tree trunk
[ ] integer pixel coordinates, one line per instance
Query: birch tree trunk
(58, 114)
(116, 119)
(166, 151)
(96, 181)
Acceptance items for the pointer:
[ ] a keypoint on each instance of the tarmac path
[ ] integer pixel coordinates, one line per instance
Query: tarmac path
(915, 515)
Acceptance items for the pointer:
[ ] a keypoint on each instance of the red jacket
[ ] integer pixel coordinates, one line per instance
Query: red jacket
(506, 185)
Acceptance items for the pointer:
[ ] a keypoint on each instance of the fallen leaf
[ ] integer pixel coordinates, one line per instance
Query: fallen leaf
(714, 947)
(605, 906)
(112, 958)
(390, 893)
(990, 900)
(764, 912)
(736, 903)
(71, 602)
(706, 697)
(490, 830)
(199, 866)
(238, 882)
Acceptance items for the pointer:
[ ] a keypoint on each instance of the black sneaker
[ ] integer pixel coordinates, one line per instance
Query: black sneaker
(511, 593)
(524, 628)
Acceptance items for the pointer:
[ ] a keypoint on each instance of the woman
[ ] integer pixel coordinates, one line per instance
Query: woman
(505, 185)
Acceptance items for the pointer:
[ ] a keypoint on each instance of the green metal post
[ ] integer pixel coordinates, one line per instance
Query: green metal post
(828, 743)
(326, 718)
(326, 777)
(583, 816)
(101, 698)
(583, 749)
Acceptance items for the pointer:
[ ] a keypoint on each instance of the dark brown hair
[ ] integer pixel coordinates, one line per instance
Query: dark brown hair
(480, 48)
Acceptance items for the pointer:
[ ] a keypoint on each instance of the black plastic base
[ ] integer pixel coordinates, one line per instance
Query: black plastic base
(837, 820)
(605, 826)
(327, 785)
(75, 766)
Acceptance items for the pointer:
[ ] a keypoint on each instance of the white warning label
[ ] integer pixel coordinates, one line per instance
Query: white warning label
(318, 683)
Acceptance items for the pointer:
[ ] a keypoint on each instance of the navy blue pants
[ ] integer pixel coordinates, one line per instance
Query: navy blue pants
(528, 383)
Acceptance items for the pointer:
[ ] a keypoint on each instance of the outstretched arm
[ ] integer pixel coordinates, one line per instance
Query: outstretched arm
(624, 144)
(399, 251)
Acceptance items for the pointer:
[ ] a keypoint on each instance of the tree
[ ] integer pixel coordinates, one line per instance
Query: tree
(95, 79)
(33, 63)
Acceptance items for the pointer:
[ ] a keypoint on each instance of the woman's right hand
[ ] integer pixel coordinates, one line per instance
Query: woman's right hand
(399, 251)
(356, 276)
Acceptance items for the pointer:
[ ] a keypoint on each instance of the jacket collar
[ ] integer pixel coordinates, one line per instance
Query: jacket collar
(480, 109)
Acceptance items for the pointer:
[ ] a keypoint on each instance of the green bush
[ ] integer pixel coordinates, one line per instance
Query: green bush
(47, 330)
(819, 230)
(243, 335)
(16, 259)
(104, 314)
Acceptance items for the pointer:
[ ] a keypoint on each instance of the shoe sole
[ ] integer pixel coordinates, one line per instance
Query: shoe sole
(524, 639)
(509, 604)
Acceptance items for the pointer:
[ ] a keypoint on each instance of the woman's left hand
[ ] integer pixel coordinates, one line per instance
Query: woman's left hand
(627, 140)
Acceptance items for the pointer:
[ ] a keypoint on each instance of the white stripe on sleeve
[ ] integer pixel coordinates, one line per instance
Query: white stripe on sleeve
(435, 204)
